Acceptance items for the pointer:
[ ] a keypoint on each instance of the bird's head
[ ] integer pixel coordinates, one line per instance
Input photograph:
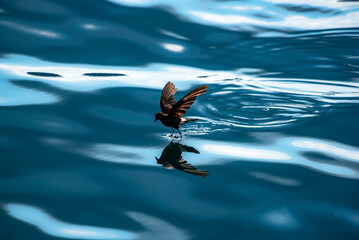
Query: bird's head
(159, 160)
(157, 116)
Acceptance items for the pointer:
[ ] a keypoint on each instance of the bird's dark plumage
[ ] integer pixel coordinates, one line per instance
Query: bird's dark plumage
(168, 97)
(172, 111)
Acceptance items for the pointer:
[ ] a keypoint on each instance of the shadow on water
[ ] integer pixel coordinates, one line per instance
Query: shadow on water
(171, 158)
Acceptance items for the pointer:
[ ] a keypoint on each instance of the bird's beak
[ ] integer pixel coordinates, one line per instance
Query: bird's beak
(155, 120)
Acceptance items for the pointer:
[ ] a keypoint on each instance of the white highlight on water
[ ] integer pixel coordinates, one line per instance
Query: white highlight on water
(173, 47)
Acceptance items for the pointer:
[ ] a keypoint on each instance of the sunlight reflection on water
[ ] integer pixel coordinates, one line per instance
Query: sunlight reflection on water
(57, 228)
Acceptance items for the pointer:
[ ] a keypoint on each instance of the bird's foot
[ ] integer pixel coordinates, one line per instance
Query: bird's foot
(170, 136)
(177, 137)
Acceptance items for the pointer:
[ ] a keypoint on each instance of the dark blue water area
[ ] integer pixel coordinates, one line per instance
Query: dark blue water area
(278, 132)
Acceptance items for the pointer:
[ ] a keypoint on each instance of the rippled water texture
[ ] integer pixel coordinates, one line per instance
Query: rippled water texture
(278, 132)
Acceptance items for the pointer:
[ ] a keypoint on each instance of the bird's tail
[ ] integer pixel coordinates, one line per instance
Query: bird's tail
(189, 120)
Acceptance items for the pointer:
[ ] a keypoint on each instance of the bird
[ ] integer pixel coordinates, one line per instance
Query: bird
(172, 111)
(171, 158)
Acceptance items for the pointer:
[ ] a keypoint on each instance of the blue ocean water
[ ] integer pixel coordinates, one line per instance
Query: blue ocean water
(278, 132)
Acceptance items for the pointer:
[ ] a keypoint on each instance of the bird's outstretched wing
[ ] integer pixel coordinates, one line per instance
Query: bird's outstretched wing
(168, 98)
(180, 108)
(188, 168)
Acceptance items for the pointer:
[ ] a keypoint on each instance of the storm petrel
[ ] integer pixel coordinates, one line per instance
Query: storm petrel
(172, 111)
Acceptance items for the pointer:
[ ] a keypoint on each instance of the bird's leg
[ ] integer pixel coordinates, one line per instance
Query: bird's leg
(172, 132)
(180, 133)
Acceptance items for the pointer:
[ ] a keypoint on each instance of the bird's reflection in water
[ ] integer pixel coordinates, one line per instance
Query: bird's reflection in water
(171, 158)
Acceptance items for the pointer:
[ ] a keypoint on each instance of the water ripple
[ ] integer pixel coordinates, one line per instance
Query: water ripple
(257, 108)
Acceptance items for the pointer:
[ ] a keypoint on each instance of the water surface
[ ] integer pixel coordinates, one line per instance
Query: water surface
(278, 132)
